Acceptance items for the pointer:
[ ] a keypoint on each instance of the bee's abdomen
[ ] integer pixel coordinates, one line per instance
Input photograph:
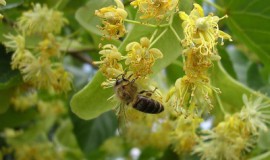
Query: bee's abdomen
(148, 105)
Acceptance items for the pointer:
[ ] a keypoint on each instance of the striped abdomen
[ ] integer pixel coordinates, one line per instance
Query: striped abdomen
(148, 105)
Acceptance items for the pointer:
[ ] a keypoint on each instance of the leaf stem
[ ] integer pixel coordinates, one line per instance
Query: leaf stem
(220, 104)
(156, 39)
(153, 35)
(175, 33)
(146, 24)
(215, 5)
(140, 23)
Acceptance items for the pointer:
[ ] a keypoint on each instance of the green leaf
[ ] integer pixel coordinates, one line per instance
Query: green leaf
(64, 137)
(86, 107)
(8, 77)
(87, 18)
(5, 100)
(232, 91)
(264, 140)
(89, 21)
(91, 101)
(174, 71)
(226, 61)
(11, 118)
(249, 23)
(91, 134)
(254, 78)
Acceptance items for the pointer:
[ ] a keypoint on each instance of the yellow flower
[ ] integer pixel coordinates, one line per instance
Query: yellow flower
(139, 127)
(202, 32)
(228, 141)
(39, 73)
(109, 61)
(184, 137)
(21, 55)
(112, 20)
(24, 101)
(49, 46)
(154, 8)
(256, 114)
(141, 58)
(41, 20)
(63, 80)
(192, 94)
(51, 108)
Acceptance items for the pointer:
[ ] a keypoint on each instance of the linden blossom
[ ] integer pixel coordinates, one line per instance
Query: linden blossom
(141, 58)
(202, 32)
(40, 65)
(109, 61)
(157, 9)
(113, 18)
(194, 91)
(41, 20)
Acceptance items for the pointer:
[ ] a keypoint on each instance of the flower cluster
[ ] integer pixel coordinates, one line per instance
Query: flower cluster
(156, 129)
(201, 34)
(236, 134)
(2, 2)
(41, 20)
(40, 65)
(113, 20)
(154, 8)
(109, 61)
(184, 137)
(22, 102)
(139, 59)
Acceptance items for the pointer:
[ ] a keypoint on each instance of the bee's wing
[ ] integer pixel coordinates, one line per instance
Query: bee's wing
(122, 118)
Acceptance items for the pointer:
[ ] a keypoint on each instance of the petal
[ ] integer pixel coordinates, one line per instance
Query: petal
(199, 9)
(183, 16)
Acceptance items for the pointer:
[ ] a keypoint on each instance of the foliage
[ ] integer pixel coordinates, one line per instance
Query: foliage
(61, 63)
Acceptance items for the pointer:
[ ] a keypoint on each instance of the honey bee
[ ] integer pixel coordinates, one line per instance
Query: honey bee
(127, 91)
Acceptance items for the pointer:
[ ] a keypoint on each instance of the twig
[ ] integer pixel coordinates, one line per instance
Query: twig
(83, 57)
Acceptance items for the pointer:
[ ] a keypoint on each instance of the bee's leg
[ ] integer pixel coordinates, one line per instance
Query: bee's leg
(130, 76)
(133, 80)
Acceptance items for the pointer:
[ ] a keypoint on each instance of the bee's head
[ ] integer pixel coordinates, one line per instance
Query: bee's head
(121, 81)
